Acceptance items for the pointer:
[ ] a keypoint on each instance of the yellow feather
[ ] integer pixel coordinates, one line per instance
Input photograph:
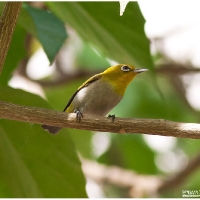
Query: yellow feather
(118, 78)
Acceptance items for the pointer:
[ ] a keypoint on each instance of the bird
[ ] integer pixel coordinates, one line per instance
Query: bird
(98, 95)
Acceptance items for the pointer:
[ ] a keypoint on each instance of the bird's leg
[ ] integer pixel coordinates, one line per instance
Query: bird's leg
(79, 115)
(112, 116)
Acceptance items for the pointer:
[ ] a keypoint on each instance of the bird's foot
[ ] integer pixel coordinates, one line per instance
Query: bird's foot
(79, 115)
(112, 116)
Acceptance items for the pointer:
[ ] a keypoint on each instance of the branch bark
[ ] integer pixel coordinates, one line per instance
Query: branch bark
(120, 125)
(7, 25)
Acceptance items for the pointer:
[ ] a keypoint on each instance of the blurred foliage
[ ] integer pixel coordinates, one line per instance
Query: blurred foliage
(37, 164)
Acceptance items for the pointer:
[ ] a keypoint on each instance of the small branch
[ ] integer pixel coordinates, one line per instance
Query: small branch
(176, 69)
(176, 180)
(140, 185)
(65, 78)
(103, 124)
(7, 25)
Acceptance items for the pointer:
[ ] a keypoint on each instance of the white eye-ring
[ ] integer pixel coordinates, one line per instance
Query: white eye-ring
(125, 68)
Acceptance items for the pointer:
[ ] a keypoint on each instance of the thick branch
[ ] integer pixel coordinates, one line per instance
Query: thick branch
(7, 25)
(120, 125)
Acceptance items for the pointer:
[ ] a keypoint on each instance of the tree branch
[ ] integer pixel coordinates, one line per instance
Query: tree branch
(120, 125)
(174, 181)
(7, 25)
(175, 69)
(140, 185)
(65, 78)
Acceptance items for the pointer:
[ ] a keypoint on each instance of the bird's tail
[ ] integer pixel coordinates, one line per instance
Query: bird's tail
(51, 129)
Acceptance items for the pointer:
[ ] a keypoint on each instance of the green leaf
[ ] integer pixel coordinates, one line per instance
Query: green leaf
(46, 27)
(35, 163)
(88, 58)
(121, 37)
(26, 22)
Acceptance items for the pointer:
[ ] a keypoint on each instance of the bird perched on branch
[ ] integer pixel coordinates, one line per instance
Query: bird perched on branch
(100, 93)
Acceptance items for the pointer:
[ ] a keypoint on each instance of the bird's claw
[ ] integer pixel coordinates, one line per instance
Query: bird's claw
(112, 116)
(79, 115)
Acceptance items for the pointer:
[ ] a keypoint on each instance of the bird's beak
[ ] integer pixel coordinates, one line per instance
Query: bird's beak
(137, 71)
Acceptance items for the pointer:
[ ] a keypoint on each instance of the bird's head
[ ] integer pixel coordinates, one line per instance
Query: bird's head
(119, 76)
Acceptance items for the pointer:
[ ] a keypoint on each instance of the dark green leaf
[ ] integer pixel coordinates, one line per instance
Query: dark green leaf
(35, 163)
(49, 29)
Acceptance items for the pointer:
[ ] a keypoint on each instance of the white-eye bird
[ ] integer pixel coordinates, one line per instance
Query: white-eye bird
(100, 93)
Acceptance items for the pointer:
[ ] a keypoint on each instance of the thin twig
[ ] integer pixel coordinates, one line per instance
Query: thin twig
(7, 25)
(66, 78)
(174, 181)
(173, 72)
(92, 123)
(140, 185)
(175, 69)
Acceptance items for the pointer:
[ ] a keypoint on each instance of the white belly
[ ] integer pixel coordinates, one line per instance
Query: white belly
(95, 99)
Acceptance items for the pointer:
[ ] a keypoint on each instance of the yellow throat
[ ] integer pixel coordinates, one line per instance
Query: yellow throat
(120, 76)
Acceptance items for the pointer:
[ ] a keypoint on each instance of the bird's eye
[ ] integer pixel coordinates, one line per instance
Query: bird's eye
(125, 68)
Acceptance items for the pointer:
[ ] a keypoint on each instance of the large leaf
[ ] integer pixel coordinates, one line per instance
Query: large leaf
(120, 37)
(35, 163)
(46, 27)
